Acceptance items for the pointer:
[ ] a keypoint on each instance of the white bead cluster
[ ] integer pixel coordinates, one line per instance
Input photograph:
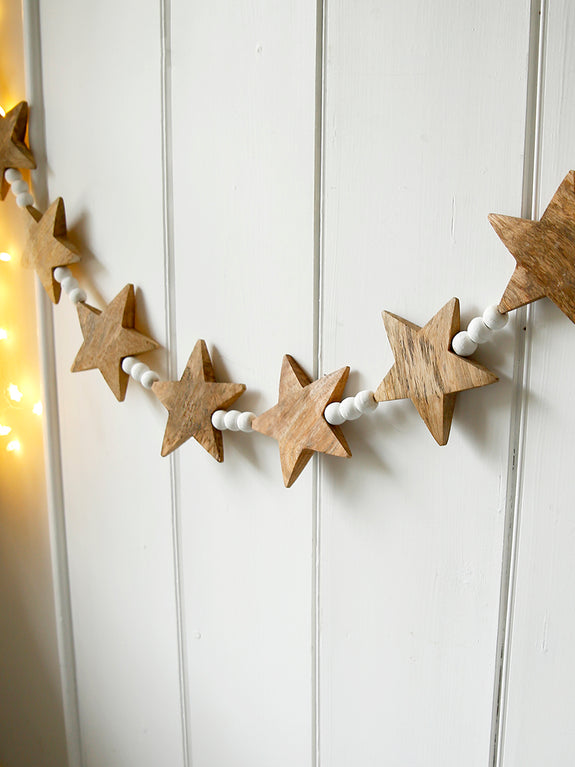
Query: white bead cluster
(70, 284)
(232, 420)
(19, 187)
(140, 372)
(350, 408)
(478, 331)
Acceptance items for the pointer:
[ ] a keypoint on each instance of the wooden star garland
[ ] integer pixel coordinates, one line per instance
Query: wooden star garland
(13, 151)
(425, 369)
(297, 421)
(48, 246)
(191, 402)
(544, 251)
(109, 336)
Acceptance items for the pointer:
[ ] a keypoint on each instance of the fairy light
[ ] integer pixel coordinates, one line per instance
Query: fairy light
(5, 257)
(4, 430)
(14, 393)
(3, 334)
(38, 409)
(13, 446)
(2, 112)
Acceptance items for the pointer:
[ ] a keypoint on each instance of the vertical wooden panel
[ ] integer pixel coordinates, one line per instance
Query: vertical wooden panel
(243, 97)
(102, 69)
(424, 135)
(541, 673)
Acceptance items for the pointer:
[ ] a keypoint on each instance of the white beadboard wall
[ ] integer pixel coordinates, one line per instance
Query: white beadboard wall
(271, 176)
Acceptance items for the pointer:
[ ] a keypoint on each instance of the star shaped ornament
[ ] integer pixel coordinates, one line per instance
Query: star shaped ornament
(109, 336)
(13, 151)
(297, 421)
(48, 246)
(426, 371)
(191, 402)
(544, 251)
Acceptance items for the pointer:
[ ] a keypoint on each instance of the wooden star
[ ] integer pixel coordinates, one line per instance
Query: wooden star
(192, 401)
(109, 336)
(48, 246)
(297, 421)
(426, 371)
(13, 151)
(544, 251)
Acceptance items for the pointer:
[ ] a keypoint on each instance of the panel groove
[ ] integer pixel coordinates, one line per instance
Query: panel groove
(529, 209)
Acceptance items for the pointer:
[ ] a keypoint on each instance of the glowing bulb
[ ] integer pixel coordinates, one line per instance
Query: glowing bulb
(38, 409)
(3, 334)
(12, 446)
(5, 257)
(14, 393)
(4, 430)
(2, 112)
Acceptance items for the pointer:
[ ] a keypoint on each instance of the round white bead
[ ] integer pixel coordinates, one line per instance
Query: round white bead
(12, 175)
(462, 344)
(138, 371)
(478, 331)
(365, 401)
(219, 419)
(77, 296)
(24, 200)
(349, 410)
(69, 283)
(332, 414)
(231, 420)
(128, 363)
(149, 378)
(245, 421)
(61, 272)
(19, 186)
(495, 319)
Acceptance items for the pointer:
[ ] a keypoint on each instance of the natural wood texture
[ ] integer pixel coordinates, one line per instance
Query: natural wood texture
(48, 246)
(109, 336)
(13, 151)
(425, 369)
(544, 251)
(297, 421)
(192, 400)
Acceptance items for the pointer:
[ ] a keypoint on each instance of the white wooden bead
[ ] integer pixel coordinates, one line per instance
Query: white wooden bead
(149, 378)
(19, 186)
(77, 296)
(12, 175)
(231, 420)
(494, 319)
(478, 331)
(138, 371)
(219, 419)
(128, 363)
(24, 199)
(348, 409)
(69, 283)
(61, 272)
(245, 421)
(365, 401)
(462, 344)
(332, 414)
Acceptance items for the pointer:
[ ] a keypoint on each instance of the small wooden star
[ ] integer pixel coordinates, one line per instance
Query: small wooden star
(48, 246)
(13, 151)
(192, 401)
(297, 421)
(109, 336)
(544, 251)
(426, 371)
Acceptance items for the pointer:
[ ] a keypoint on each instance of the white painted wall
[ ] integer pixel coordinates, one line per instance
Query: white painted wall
(272, 176)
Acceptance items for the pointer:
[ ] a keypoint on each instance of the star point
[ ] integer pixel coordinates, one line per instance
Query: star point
(13, 151)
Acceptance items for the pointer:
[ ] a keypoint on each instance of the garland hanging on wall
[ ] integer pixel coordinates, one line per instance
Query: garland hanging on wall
(430, 368)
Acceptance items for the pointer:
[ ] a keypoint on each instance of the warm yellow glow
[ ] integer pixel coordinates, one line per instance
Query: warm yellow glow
(4, 430)
(12, 446)
(38, 409)
(3, 334)
(14, 393)
(5, 257)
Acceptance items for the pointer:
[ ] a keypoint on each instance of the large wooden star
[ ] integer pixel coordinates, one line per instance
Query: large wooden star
(426, 371)
(109, 336)
(297, 421)
(13, 151)
(544, 251)
(191, 402)
(48, 246)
